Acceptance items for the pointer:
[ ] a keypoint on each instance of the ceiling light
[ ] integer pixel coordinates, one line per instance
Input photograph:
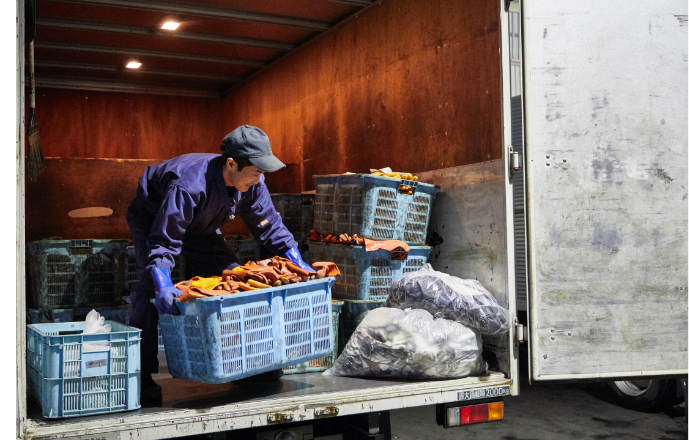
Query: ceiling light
(170, 25)
(133, 65)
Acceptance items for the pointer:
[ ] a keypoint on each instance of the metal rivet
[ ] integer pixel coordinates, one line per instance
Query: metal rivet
(547, 157)
(552, 330)
(545, 356)
(547, 164)
(564, 160)
(552, 338)
(569, 333)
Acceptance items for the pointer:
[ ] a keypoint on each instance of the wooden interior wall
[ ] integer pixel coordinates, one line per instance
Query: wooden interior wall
(414, 85)
(69, 184)
(89, 124)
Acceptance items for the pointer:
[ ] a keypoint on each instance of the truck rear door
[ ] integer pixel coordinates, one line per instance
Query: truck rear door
(605, 120)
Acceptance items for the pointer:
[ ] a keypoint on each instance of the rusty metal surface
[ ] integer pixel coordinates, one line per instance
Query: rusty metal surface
(410, 85)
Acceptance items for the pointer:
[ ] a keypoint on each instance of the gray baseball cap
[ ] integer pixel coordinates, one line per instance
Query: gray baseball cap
(251, 143)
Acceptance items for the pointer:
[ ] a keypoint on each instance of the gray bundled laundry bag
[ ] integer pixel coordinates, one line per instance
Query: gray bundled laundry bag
(449, 297)
(410, 344)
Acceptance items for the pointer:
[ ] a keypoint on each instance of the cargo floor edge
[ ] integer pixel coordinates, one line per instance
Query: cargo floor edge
(190, 408)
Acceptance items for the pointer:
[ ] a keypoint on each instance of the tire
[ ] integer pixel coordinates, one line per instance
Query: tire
(651, 395)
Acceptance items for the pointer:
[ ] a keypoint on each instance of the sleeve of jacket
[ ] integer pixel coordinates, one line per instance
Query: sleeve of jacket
(257, 210)
(169, 226)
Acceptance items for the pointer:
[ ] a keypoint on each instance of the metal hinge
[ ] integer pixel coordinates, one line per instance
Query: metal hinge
(518, 331)
(515, 160)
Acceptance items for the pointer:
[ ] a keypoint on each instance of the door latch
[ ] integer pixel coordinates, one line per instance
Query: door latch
(515, 161)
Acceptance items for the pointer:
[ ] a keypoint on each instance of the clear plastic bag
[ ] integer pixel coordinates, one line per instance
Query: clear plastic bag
(410, 344)
(95, 324)
(449, 297)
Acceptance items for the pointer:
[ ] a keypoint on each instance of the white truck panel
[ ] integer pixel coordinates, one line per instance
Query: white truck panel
(606, 163)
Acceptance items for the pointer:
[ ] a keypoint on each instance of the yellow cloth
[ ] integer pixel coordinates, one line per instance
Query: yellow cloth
(206, 283)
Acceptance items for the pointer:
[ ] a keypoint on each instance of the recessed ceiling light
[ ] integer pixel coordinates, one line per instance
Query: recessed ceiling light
(133, 65)
(170, 25)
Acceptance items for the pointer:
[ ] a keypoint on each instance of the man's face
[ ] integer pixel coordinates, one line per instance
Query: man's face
(244, 179)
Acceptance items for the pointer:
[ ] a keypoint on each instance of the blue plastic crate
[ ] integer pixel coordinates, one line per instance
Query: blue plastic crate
(224, 338)
(296, 211)
(372, 207)
(68, 382)
(321, 364)
(246, 249)
(366, 275)
(65, 274)
(118, 314)
(131, 277)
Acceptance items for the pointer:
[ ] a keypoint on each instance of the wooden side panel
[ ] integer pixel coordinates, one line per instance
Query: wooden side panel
(78, 123)
(69, 184)
(406, 84)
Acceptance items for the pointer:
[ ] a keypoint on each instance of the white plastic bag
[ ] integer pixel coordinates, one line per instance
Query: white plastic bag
(95, 324)
(449, 297)
(410, 344)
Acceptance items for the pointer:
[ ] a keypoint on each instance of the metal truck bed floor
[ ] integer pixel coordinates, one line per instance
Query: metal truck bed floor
(192, 408)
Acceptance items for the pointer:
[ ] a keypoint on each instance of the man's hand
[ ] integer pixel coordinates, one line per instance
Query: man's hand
(295, 257)
(165, 292)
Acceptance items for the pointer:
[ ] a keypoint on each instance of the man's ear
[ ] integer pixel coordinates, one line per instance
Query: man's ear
(230, 163)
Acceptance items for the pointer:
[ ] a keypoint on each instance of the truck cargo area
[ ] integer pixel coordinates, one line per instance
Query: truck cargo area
(417, 87)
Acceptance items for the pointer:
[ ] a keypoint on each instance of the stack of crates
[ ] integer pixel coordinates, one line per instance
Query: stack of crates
(71, 374)
(296, 211)
(377, 208)
(246, 249)
(67, 274)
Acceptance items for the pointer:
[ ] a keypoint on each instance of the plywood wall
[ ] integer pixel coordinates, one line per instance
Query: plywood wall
(406, 84)
(89, 124)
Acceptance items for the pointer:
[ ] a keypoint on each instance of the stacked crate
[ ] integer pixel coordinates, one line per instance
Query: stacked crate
(377, 208)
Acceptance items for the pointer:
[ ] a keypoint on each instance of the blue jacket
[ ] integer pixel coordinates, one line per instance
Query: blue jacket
(187, 197)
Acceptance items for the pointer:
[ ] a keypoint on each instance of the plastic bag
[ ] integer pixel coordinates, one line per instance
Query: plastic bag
(449, 297)
(95, 324)
(410, 344)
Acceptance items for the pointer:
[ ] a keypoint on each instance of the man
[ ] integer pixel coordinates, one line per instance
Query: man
(180, 205)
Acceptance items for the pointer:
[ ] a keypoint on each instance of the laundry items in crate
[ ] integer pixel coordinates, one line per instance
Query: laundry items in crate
(367, 275)
(68, 380)
(375, 207)
(66, 274)
(410, 344)
(450, 297)
(223, 338)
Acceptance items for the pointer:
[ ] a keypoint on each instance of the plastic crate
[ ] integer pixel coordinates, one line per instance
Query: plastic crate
(131, 277)
(296, 211)
(118, 314)
(67, 274)
(321, 364)
(372, 207)
(224, 338)
(246, 249)
(351, 315)
(67, 382)
(366, 275)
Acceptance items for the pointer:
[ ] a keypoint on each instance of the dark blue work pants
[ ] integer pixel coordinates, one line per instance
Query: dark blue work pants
(204, 256)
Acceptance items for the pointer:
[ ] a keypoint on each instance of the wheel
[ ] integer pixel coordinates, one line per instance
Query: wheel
(651, 395)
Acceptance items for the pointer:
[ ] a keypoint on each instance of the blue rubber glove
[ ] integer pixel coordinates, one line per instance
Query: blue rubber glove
(165, 292)
(295, 257)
